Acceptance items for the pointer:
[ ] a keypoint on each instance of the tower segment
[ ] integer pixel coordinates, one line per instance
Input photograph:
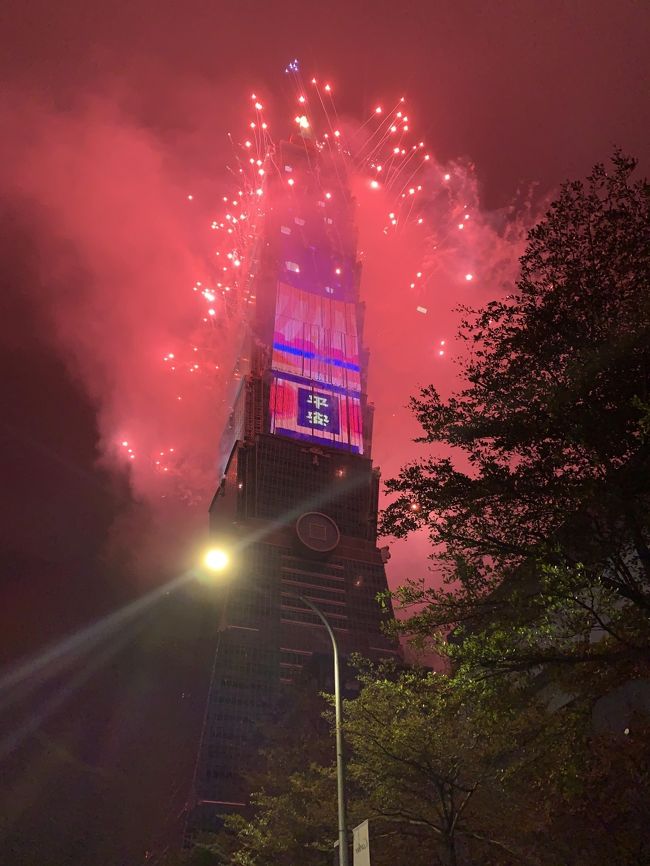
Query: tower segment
(297, 502)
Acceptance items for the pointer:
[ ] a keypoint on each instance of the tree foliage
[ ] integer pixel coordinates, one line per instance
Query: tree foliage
(429, 760)
(541, 514)
(452, 771)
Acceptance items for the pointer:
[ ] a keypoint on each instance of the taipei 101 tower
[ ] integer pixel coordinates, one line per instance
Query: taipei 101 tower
(297, 504)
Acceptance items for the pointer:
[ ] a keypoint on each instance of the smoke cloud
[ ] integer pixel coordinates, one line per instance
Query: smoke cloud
(120, 247)
(122, 222)
(414, 282)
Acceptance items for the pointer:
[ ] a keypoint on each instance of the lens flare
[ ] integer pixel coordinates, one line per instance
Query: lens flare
(216, 559)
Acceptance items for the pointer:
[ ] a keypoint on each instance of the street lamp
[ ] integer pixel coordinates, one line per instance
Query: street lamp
(217, 560)
(338, 716)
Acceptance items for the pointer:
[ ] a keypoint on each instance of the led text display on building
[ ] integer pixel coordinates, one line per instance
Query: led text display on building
(318, 411)
(316, 369)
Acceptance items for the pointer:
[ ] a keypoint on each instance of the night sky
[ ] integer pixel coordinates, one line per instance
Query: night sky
(111, 114)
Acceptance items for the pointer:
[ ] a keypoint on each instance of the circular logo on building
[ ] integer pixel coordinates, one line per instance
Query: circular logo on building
(318, 531)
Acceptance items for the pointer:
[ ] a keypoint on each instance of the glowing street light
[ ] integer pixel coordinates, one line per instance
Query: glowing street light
(216, 559)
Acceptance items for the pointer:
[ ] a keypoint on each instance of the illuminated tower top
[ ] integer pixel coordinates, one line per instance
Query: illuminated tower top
(311, 319)
(307, 355)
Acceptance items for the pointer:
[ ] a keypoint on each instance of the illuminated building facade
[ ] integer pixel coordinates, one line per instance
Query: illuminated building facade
(297, 504)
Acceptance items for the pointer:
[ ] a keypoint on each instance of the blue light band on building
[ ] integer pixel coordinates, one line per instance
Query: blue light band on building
(313, 356)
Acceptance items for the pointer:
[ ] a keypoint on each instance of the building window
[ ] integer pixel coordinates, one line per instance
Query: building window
(294, 658)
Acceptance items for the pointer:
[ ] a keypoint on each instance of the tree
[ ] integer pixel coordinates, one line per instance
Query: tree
(541, 513)
(429, 759)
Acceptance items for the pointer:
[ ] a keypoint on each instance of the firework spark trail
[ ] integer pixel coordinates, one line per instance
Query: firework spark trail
(379, 147)
(155, 335)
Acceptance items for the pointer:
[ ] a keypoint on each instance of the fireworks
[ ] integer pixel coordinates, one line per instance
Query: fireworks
(383, 153)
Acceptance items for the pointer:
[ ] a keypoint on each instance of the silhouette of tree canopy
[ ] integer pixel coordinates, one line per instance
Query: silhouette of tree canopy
(539, 513)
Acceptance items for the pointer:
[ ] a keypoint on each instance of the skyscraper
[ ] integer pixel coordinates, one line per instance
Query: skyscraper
(297, 504)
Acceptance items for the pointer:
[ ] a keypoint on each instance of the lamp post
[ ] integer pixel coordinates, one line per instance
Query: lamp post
(218, 560)
(338, 716)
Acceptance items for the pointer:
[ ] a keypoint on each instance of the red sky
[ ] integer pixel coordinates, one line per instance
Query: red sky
(112, 112)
